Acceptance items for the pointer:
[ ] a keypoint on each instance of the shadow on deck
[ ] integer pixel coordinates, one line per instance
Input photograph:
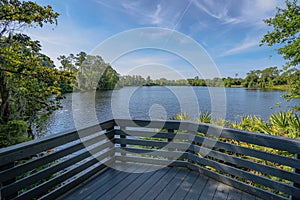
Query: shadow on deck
(153, 182)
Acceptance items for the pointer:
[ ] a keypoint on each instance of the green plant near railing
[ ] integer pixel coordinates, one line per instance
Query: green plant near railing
(285, 124)
(36, 171)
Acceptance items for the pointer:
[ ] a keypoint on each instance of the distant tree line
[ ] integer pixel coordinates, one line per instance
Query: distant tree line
(268, 78)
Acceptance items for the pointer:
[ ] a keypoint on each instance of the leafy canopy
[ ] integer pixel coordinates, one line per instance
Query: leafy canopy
(16, 14)
(29, 84)
(286, 31)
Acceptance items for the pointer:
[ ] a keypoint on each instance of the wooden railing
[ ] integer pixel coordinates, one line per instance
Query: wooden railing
(263, 165)
(48, 167)
(260, 164)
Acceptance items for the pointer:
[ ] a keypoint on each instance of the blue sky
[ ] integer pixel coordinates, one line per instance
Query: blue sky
(229, 32)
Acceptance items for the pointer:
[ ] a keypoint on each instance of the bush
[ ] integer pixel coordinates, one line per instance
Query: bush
(13, 132)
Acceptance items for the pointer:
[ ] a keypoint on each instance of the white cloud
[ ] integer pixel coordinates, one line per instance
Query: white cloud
(219, 12)
(248, 12)
(241, 47)
(156, 19)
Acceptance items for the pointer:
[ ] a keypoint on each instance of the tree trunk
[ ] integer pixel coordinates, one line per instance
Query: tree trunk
(5, 97)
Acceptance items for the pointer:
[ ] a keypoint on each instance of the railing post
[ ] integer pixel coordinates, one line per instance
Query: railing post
(112, 141)
(191, 151)
(170, 140)
(297, 185)
(123, 154)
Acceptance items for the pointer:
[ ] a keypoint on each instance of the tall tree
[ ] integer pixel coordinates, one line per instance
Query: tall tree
(285, 33)
(27, 77)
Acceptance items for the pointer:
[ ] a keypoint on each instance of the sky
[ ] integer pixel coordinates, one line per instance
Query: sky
(226, 32)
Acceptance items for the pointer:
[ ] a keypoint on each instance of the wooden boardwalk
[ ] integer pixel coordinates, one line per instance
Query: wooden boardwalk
(147, 182)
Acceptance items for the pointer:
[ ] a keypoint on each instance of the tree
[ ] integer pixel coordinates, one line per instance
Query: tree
(17, 14)
(108, 79)
(80, 57)
(93, 73)
(286, 25)
(29, 83)
(286, 31)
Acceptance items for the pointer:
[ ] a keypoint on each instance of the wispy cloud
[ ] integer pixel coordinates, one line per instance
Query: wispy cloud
(240, 48)
(156, 19)
(247, 12)
(220, 13)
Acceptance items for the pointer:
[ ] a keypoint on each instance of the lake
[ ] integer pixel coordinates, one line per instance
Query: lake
(163, 102)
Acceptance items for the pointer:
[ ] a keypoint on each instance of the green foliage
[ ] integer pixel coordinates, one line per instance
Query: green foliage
(109, 79)
(286, 29)
(267, 78)
(29, 84)
(180, 116)
(205, 117)
(13, 132)
(286, 124)
(16, 14)
(26, 84)
(91, 73)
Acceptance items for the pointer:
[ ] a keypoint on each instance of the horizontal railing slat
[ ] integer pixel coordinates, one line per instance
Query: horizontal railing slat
(23, 168)
(266, 140)
(153, 161)
(215, 154)
(212, 143)
(187, 146)
(288, 189)
(161, 124)
(44, 187)
(31, 148)
(162, 153)
(240, 162)
(263, 194)
(160, 144)
(291, 145)
(101, 168)
(27, 181)
(291, 176)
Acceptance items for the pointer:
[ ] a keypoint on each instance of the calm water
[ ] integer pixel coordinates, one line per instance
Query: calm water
(163, 103)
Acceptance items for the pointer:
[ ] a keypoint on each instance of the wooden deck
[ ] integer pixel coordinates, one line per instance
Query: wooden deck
(52, 166)
(148, 182)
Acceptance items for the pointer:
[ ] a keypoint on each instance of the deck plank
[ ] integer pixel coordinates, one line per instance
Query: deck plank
(173, 185)
(123, 185)
(185, 186)
(197, 188)
(163, 182)
(92, 185)
(209, 191)
(221, 192)
(144, 188)
(234, 194)
(110, 184)
(134, 186)
(246, 196)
